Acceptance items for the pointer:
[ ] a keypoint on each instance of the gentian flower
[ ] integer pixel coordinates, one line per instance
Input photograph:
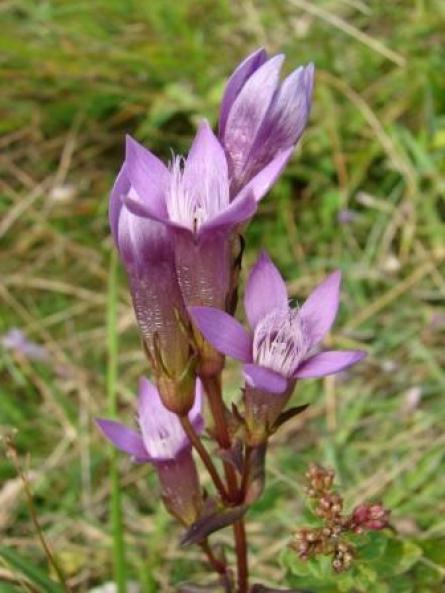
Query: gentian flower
(261, 118)
(162, 442)
(191, 198)
(279, 348)
(15, 339)
(147, 252)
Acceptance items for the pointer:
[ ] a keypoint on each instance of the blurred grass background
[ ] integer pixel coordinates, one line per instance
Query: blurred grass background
(365, 192)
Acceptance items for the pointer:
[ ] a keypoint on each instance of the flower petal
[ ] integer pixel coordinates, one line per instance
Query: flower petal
(224, 332)
(248, 111)
(142, 242)
(236, 83)
(125, 439)
(239, 211)
(144, 210)
(264, 379)
(148, 176)
(263, 181)
(195, 414)
(319, 310)
(120, 189)
(287, 116)
(265, 290)
(163, 435)
(206, 170)
(328, 363)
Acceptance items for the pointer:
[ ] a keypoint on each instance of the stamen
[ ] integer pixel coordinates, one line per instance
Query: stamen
(194, 198)
(280, 342)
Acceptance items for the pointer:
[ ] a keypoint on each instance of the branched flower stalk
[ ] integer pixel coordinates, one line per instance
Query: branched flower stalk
(179, 230)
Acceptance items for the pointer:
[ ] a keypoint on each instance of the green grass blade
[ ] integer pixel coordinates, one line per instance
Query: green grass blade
(120, 569)
(23, 565)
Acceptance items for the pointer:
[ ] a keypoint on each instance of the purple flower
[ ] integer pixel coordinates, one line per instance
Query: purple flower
(346, 216)
(191, 199)
(162, 441)
(192, 194)
(281, 341)
(261, 118)
(147, 253)
(279, 348)
(16, 339)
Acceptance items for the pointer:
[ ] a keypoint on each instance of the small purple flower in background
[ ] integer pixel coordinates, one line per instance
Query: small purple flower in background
(346, 216)
(279, 348)
(261, 118)
(162, 441)
(147, 253)
(16, 339)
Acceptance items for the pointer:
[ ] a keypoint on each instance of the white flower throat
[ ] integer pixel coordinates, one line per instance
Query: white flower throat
(280, 341)
(197, 193)
(161, 432)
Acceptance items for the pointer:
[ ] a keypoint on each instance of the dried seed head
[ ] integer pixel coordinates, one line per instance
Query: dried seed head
(329, 539)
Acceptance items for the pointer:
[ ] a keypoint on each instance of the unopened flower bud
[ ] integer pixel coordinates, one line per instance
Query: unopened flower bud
(261, 118)
(369, 516)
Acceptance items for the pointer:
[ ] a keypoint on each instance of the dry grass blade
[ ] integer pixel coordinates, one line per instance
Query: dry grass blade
(342, 25)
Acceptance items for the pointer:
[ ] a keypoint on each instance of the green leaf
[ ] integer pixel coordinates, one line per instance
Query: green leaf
(366, 573)
(434, 549)
(411, 553)
(373, 547)
(320, 567)
(294, 564)
(36, 576)
(345, 582)
(398, 558)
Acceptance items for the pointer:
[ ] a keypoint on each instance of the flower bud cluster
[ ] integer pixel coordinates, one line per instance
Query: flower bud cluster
(329, 539)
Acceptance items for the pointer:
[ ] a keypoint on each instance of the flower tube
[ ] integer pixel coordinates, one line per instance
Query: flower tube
(279, 348)
(147, 252)
(261, 117)
(162, 442)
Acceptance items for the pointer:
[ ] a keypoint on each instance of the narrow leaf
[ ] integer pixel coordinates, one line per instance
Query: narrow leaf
(287, 415)
(34, 574)
(203, 527)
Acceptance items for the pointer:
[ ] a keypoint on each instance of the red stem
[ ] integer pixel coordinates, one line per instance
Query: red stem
(216, 564)
(205, 457)
(239, 530)
(212, 386)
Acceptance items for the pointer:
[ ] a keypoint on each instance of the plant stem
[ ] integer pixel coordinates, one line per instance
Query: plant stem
(246, 471)
(239, 530)
(116, 506)
(204, 455)
(212, 386)
(217, 565)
